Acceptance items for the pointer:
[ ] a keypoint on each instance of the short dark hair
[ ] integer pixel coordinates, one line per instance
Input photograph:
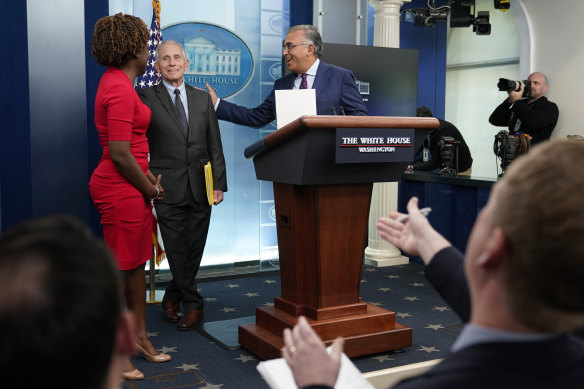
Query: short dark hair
(118, 39)
(424, 111)
(60, 304)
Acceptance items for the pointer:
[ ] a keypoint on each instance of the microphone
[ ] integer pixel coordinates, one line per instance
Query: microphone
(342, 110)
(333, 110)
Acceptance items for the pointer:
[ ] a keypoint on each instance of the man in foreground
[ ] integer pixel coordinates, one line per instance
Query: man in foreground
(62, 321)
(335, 87)
(524, 267)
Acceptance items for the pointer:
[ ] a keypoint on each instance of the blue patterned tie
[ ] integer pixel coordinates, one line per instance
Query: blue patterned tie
(303, 83)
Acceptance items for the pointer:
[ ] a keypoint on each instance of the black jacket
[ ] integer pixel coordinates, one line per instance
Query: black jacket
(538, 119)
(433, 143)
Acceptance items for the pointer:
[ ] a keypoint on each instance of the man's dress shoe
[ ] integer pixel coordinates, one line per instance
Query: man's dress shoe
(171, 311)
(190, 319)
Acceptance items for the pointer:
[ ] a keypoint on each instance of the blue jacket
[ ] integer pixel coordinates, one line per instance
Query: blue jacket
(334, 86)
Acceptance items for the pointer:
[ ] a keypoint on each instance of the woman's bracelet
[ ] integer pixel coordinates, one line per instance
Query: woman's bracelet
(157, 193)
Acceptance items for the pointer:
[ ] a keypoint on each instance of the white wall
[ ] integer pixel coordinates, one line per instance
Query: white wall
(558, 51)
(545, 36)
(474, 65)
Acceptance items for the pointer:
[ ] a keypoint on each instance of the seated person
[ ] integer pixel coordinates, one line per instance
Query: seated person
(428, 155)
(523, 268)
(61, 312)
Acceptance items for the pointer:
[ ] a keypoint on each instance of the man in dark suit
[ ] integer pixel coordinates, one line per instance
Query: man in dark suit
(183, 136)
(335, 87)
(524, 266)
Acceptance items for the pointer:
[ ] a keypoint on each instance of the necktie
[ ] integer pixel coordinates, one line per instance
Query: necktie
(303, 83)
(180, 110)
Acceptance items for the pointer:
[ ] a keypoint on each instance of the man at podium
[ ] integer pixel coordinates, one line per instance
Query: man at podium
(335, 87)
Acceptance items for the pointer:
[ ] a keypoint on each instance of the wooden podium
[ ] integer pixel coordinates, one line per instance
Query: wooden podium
(322, 213)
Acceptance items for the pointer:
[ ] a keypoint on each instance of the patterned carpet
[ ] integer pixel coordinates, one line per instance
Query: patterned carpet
(198, 362)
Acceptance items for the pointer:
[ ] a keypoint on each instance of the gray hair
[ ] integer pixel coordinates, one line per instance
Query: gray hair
(310, 34)
(170, 42)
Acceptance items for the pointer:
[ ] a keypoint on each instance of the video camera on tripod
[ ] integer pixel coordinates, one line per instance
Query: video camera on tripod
(448, 150)
(507, 147)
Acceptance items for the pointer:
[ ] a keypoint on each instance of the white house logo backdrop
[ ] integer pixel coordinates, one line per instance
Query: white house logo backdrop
(216, 56)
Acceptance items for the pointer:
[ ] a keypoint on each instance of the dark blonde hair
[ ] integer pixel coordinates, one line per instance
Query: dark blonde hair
(539, 207)
(118, 39)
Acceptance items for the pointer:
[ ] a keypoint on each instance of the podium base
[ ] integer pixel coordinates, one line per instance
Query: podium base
(385, 262)
(372, 332)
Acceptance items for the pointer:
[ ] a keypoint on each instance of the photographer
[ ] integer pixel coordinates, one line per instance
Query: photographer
(533, 115)
(428, 157)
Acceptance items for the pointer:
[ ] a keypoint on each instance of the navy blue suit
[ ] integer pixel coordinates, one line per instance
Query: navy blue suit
(445, 272)
(553, 363)
(334, 87)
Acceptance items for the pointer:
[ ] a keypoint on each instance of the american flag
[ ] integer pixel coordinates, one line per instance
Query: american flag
(151, 76)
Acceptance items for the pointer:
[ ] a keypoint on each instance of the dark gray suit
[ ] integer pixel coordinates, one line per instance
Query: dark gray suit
(184, 213)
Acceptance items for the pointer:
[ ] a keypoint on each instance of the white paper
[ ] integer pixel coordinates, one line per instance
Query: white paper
(279, 376)
(294, 103)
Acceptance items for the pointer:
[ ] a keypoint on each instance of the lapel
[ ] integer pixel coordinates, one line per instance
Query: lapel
(166, 102)
(321, 78)
(290, 81)
(192, 103)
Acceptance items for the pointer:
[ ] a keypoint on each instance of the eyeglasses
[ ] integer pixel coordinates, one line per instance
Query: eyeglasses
(290, 46)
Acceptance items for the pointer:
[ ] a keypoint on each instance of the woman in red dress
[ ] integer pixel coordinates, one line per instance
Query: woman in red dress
(122, 187)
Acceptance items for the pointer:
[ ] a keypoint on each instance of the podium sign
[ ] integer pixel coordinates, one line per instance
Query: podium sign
(362, 145)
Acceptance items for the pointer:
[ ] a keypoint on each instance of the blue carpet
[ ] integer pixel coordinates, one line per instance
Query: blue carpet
(198, 362)
(224, 332)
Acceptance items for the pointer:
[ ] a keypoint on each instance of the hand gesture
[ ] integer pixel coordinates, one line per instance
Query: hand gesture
(307, 357)
(416, 236)
(156, 182)
(212, 93)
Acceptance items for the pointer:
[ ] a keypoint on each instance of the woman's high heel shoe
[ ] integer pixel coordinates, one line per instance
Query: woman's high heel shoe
(133, 375)
(160, 357)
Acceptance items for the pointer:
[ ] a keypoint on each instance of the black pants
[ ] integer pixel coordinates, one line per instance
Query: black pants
(184, 227)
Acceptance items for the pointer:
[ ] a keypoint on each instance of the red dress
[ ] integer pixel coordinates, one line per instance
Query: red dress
(126, 216)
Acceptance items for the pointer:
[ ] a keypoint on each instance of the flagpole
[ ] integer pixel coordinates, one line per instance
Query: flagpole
(148, 79)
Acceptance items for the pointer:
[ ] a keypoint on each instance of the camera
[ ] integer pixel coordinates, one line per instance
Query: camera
(424, 16)
(511, 85)
(507, 147)
(448, 154)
